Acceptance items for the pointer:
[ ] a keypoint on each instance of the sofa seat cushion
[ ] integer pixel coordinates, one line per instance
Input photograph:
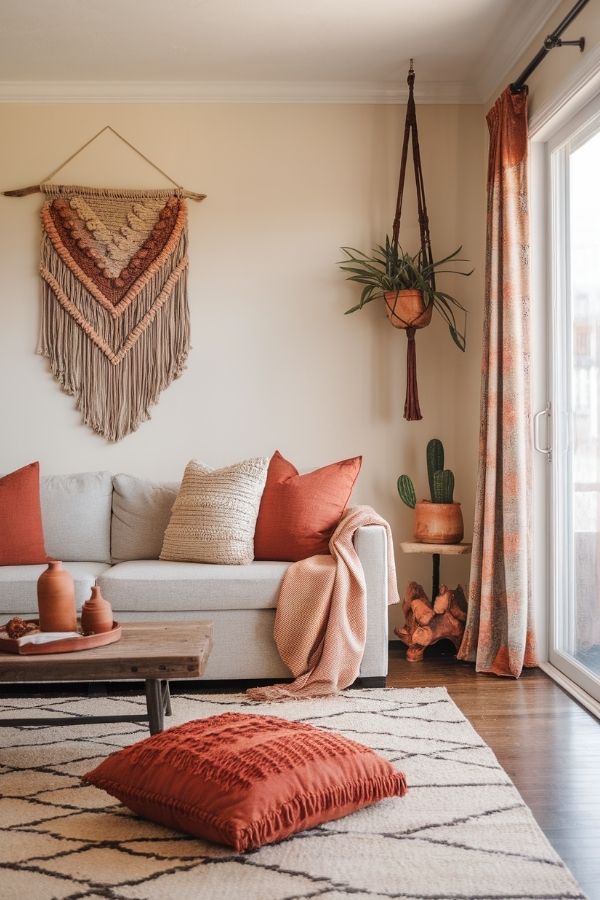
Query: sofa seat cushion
(18, 585)
(162, 585)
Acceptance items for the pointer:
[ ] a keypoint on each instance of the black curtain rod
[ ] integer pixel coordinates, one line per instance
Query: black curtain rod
(552, 40)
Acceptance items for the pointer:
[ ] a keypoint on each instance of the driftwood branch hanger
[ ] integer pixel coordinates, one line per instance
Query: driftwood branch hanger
(35, 188)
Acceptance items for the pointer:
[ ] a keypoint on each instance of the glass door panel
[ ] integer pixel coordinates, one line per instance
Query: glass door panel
(575, 645)
(584, 227)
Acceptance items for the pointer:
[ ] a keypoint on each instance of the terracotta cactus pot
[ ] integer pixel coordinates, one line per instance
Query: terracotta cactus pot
(438, 523)
(407, 309)
(56, 599)
(96, 614)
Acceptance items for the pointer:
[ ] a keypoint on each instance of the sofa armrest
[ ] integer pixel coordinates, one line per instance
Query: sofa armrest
(370, 542)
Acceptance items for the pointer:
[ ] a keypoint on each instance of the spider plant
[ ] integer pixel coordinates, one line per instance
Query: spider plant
(389, 270)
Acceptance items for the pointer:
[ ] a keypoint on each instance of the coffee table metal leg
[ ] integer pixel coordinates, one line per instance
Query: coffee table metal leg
(154, 702)
(167, 698)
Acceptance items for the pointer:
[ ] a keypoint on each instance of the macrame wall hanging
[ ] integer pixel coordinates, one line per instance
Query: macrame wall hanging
(421, 317)
(115, 320)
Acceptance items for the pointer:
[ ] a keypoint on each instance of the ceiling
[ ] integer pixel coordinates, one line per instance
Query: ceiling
(261, 49)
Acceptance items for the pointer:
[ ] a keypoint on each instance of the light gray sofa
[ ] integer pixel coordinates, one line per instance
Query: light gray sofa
(109, 530)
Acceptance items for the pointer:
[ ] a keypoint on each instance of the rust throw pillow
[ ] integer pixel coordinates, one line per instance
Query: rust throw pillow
(246, 780)
(299, 513)
(21, 530)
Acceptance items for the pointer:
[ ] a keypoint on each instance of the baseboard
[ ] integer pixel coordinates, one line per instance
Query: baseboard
(592, 705)
(120, 688)
(195, 686)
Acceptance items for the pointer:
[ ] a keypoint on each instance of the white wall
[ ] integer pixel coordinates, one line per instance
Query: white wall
(274, 362)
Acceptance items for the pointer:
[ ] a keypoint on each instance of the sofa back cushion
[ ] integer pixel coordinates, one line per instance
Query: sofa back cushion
(76, 516)
(140, 514)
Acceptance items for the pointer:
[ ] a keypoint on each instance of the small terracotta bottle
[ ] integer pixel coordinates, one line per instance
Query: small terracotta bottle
(96, 614)
(56, 599)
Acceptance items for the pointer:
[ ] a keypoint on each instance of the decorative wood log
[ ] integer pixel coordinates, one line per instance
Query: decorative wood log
(458, 605)
(427, 623)
(422, 612)
(442, 601)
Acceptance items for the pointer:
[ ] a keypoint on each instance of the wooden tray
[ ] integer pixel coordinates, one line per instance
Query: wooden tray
(66, 645)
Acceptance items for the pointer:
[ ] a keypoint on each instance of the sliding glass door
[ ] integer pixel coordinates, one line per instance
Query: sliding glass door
(574, 167)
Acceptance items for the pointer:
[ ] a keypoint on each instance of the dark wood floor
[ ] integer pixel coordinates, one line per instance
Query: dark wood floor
(548, 744)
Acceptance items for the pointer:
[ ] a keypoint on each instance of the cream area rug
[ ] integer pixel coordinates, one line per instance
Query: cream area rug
(462, 831)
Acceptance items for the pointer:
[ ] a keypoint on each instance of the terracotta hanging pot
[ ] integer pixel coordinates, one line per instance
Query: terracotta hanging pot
(96, 614)
(56, 599)
(407, 309)
(438, 523)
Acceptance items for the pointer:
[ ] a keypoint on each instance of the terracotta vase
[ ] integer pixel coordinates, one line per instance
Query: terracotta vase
(96, 614)
(438, 523)
(407, 309)
(56, 599)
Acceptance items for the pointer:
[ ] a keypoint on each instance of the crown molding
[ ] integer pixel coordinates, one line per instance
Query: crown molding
(577, 89)
(232, 92)
(510, 43)
(495, 63)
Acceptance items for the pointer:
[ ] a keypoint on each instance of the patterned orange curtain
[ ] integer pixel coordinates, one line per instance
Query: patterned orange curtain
(498, 634)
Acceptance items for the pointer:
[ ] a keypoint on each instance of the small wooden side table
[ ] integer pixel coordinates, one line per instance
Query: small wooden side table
(437, 550)
(442, 616)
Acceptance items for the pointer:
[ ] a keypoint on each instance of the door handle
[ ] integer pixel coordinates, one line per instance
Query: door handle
(547, 411)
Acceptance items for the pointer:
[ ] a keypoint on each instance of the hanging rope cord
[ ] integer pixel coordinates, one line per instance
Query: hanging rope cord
(411, 129)
(411, 406)
(46, 187)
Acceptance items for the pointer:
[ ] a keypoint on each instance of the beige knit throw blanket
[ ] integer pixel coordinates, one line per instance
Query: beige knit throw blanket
(115, 322)
(321, 618)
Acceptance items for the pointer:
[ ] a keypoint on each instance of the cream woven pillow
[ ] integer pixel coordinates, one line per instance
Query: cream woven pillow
(214, 515)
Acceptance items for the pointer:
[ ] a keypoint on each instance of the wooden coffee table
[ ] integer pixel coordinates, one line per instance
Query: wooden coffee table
(154, 652)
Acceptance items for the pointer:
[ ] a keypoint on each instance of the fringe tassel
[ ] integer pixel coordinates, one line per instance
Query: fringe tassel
(115, 399)
(286, 818)
(411, 404)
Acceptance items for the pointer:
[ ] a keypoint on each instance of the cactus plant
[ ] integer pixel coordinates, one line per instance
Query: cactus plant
(441, 481)
(435, 462)
(407, 491)
(443, 486)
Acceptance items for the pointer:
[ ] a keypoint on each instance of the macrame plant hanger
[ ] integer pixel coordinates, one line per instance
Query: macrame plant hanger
(412, 411)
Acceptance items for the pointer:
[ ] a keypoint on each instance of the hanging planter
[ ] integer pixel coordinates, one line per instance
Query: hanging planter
(407, 283)
(407, 309)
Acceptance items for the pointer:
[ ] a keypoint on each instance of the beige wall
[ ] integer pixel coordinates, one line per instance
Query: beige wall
(274, 361)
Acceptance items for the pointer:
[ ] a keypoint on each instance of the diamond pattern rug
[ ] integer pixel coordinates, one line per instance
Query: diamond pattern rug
(463, 831)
